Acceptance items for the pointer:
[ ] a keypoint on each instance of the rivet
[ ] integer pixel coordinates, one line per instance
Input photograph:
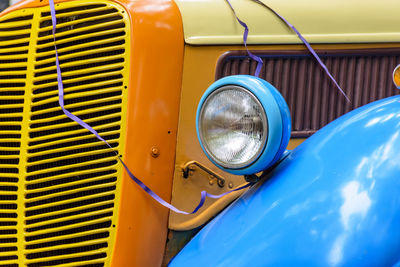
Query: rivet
(155, 152)
(230, 185)
(211, 182)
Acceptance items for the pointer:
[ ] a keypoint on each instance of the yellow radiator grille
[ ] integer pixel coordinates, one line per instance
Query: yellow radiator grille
(59, 183)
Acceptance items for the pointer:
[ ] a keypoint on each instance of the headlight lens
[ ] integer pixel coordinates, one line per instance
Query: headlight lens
(233, 127)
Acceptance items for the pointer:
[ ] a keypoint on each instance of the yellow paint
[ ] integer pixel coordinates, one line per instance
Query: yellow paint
(343, 21)
(294, 142)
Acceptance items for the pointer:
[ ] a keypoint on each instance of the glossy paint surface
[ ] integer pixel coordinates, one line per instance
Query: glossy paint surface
(153, 108)
(335, 201)
(343, 21)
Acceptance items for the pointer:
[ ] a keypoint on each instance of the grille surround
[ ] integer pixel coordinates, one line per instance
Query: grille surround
(62, 184)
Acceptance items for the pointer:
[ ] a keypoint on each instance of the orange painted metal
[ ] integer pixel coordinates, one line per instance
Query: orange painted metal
(157, 59)
(154, 91)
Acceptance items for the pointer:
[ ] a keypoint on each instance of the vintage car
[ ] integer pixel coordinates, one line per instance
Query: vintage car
(137, 72)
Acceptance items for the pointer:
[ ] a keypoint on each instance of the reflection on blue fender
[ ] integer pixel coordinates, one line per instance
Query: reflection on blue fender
(334, 201)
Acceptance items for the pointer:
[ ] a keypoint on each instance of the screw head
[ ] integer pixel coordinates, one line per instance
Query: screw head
(155, 152)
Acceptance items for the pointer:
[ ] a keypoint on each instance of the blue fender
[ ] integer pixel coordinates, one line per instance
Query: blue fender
(334, 201)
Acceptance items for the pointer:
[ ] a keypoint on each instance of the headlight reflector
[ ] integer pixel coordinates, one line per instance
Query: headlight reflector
(233, 126)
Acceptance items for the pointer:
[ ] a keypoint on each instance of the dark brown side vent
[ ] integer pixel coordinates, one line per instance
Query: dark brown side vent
(314, 101)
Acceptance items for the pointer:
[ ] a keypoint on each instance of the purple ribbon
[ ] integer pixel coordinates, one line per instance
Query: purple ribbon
(298, 34)
(245, 35)
(204, 194)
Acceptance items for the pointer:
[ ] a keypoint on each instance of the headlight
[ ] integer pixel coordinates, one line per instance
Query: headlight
(233, 127)
(243, 124)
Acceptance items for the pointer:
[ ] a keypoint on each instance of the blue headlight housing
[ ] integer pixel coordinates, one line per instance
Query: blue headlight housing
(243, 124)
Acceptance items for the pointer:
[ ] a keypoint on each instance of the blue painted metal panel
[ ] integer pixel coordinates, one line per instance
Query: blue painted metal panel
(335, 201)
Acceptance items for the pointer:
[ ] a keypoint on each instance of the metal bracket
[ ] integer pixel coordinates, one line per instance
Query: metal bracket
(188, 167)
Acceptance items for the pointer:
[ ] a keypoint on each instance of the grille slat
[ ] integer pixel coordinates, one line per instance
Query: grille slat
(72, 160)
(102, 52)
(79, 85)
(108, 27)
(62, 17)
(52, 184)
(49, 103)
(71, 239)
(16, 57)
(73, 65)
(36, 219)
(15, 26)
(70, 205)
(84, 241)
(43, 75)
(80, 89)
(54, 229)
(66, 24)
(313, 99)
(64, 40)
(76, 139)
(43, 224)
(13, 72)
(93, 184)
(14, 43)
(63, 260)
(75, 222)
(54, 254)
(84, 228)
(57, 245)
(71, 154)
(88, 105)
(65, 197)
(79, 142)
(100, 163)
(101, 112)
(76, 103)
(53, 130)
(12, 66)
(80, 132)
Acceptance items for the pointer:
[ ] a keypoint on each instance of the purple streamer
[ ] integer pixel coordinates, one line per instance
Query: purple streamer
(307, 45)
(298, 34)
(245, 35)
(204, 194)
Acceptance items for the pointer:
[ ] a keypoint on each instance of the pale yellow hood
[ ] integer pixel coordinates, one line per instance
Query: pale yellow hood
(320, 21)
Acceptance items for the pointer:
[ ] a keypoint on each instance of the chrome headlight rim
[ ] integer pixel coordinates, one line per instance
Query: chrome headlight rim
(264, 118)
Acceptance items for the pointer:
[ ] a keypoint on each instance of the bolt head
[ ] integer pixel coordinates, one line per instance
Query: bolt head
(155, 152)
